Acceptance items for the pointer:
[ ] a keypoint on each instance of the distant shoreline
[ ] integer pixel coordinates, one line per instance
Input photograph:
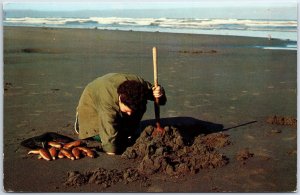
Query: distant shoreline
(124, 30)
(283, 44)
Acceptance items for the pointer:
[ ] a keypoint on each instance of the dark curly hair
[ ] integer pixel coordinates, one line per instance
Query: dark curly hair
(133, 94)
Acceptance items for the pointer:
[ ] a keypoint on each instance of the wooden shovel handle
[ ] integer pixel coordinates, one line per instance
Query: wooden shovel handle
(154, 51)
(156, 101)
(159, 129)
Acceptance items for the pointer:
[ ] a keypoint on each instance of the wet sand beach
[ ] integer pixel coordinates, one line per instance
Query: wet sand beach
(213, 84)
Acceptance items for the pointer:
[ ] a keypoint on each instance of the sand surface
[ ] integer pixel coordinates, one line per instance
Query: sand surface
(214, 84)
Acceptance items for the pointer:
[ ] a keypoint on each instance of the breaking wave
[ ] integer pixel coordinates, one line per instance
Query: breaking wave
(191, 25)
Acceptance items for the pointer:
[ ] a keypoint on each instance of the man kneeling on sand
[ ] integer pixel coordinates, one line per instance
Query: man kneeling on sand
(111, 107)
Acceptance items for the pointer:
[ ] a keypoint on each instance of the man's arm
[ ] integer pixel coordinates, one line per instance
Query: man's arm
(107, 130)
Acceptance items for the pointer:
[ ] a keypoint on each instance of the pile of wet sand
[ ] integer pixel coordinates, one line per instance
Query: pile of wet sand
(244, 155)
(104, 178)
(171, 153)
(175, 154)
(282, 120)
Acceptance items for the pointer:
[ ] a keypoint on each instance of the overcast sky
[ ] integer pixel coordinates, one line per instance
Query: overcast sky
(67, 5)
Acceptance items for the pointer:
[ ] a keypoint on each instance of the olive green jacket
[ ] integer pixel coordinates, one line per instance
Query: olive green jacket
(99, 112)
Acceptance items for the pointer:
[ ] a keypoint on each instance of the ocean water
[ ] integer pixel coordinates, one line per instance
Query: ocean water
(267, 26)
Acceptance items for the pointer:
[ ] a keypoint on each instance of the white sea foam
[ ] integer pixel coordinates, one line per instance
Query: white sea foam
(288, 47)
(163, 22)
(285, 29)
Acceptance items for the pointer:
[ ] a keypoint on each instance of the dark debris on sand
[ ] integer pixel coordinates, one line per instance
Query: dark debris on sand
(198, 51)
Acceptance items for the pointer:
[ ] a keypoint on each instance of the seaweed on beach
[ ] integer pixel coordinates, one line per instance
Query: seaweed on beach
(198, 51)
(282, 120)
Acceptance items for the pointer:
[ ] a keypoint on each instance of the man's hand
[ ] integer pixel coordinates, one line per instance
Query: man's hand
(158, 91)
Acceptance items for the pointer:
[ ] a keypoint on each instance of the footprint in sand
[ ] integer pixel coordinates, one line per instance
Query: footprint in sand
(233, 123)
(196, 77)
(67, 94)
(292, 152)
(289, 138)
(258, 171)
(154, 189)
(34, 114)
(50, 105)
(252, 182)
(17, 106)
(13, 94)
(21, 125)
(250, 137)
(172, 113)
(205, 100)
(172, 69)
(188, 104)
(34, 93)
(263, 153)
